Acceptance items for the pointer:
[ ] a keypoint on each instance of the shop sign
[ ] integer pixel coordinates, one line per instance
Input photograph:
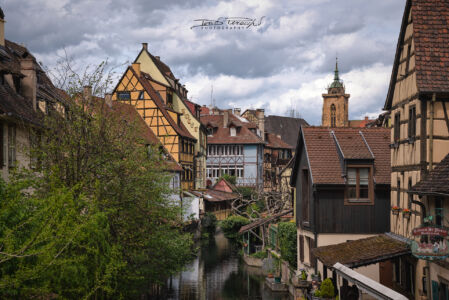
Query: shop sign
(430, 243)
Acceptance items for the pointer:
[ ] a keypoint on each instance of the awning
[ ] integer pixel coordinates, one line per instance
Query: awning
(263, 221)
(357, 253)
(366, 284)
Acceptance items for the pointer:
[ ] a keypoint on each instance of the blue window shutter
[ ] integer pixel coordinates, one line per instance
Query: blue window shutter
(435, 294)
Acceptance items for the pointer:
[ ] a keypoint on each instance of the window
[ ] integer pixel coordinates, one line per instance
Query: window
(412, 122)
(439, 213)
(170, 100)
(232, 131)
(333, 116)
(398, 193)
(305, 195)
(301, 248)
(11, 145)
(141, 95)
(397, 127)
(123, 95)
(407, 64)
(358, 184)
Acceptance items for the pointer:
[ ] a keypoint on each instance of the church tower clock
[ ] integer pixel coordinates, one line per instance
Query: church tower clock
(335, 104)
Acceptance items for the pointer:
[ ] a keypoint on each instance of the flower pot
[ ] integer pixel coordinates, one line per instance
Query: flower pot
(270, 275)
(406, 214)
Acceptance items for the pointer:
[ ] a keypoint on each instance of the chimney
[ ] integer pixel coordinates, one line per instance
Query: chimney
(225, 118)
(145, 46)
(28, 84)
(87, 94)
(260, 115)
(2, 28)
(108, 99)
(136, 68)
(237, 111)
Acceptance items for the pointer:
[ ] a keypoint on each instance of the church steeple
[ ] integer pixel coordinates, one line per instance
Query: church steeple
(335, 103)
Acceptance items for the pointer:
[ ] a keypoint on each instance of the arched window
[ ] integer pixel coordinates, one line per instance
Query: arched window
(333, 116)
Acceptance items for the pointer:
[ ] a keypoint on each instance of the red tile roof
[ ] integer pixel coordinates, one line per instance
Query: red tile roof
(322, 151)
(275, 142)
(431, 39)
(436, 181)
(223, 135)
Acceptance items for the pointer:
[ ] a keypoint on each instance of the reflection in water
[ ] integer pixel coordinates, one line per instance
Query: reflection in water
(218, 273)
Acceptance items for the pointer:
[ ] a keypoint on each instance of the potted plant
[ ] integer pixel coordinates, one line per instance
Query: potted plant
(406, 213)
(326, 290)
(303, 278)
(395, 210)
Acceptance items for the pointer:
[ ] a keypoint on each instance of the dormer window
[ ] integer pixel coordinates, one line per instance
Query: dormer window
(170, 100)
(359, 185)
(123, 96)
(233, 131)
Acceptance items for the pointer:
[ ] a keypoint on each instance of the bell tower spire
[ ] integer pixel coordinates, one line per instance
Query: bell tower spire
(335, 103)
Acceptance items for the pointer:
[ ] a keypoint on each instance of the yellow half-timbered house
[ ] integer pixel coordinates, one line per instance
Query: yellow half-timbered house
(134, 88)
(174, 96)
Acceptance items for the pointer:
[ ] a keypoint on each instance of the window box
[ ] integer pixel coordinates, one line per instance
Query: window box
(406, 213)
(395, 210)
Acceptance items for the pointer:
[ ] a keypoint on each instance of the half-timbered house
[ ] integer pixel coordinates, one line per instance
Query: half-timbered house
(135, 89)
(277, 154)
(233, 148)
(417, 102)
(174, 96)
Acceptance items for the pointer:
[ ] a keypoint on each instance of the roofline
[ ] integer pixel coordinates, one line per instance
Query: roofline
(394, 73)
(367, 145)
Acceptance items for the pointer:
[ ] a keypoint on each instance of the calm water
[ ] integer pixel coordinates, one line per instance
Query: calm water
(218, 273)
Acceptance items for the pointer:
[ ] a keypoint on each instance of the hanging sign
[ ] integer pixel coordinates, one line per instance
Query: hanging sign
(430, 243)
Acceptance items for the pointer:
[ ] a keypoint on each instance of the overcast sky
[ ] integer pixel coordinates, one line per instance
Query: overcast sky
(284, 63)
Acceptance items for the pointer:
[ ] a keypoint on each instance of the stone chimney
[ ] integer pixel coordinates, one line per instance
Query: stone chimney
(145, 46)
(136, 68)
(108, 99)
(28, 84)
(2, 28)
(260, 115)
(237, 111)
(87, 94)
(225, 118)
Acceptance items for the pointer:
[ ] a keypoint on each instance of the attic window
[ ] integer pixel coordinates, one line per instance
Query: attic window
(359, 185)
(209, 131)
(170, 100)
(233, 131)
(123, 95)
(141, 94)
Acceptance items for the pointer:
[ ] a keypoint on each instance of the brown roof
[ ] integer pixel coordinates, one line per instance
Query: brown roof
(263, 221)
(323, 145)
(223, 135)
(286, 127)
(436, 181)
(274, 142)
(431, 38)
(362, 252)
(218, 196)
(17, 106)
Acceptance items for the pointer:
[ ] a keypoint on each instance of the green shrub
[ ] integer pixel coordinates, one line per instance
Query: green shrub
(245, 191)
(327, 289)
(229, 178)
(288, 242)
(303, 275)
(232, 224)
(260, 254)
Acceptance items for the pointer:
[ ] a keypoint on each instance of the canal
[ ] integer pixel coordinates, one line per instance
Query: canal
(219, 273)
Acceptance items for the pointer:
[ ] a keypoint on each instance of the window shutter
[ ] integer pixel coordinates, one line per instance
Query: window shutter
(301, 248)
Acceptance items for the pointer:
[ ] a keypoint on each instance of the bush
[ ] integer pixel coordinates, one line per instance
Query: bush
(260, 254)
(232, 225)
(229, 178)
(288, 242)
(246, 192)
(327, 289)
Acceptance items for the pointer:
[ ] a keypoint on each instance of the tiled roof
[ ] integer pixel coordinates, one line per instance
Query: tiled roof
(218, 196)
(436, 181)
(323, 156)
(180, 129)
(286, 127)
(274, 142)
(361, 252)
(360, 123)
(17, 106)
(431, 39)
(223, 135)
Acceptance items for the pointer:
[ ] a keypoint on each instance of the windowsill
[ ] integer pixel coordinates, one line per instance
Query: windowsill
(359, 202)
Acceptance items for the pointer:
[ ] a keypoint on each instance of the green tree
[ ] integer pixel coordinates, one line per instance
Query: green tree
(94, 220)
(231, 226)
(288, 242)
